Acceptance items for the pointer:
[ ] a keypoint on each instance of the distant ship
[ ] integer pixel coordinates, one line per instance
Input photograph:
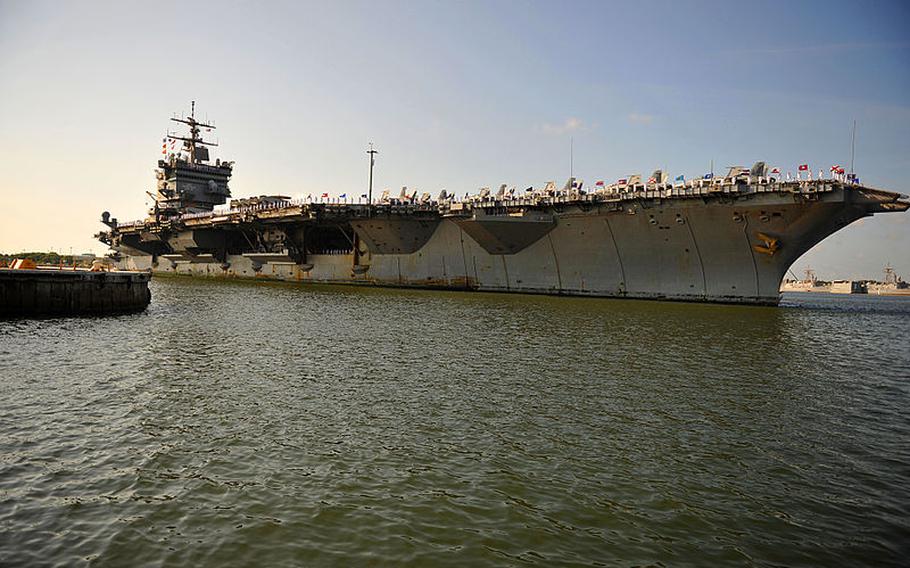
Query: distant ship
(893, 285)
(810, 283)
(724, 239)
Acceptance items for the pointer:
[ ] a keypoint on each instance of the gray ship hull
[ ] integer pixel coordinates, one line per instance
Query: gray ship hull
(726, 250)
(724, 239)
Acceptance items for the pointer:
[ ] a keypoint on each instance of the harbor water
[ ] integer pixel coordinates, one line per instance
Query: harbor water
(271, 424)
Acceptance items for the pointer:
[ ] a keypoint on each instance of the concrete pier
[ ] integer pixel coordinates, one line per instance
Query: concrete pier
(71, 292)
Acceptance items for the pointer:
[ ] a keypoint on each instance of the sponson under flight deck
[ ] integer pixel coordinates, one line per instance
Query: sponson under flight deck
(726, 239)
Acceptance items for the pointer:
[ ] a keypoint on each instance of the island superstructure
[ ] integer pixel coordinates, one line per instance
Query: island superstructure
(725, 239)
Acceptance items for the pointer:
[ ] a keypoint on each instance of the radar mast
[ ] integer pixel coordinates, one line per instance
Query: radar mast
(195, 144)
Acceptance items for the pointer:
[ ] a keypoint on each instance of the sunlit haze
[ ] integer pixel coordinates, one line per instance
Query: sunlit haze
(455, 95)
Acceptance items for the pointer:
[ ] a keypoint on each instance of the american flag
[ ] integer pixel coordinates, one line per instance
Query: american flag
(599, 183)
(804, 167)
(622, 181)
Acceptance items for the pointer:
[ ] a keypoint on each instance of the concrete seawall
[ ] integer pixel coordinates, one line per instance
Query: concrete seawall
(71, 292)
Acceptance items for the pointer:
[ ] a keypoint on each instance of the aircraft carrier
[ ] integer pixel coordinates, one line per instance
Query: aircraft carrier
(726, 239)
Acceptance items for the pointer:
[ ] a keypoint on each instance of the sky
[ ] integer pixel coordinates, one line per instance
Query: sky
(455, 95)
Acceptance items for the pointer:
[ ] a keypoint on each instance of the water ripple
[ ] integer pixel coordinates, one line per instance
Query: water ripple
(272, 424)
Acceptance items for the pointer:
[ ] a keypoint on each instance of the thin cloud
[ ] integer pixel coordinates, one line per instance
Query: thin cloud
(571, 124)
(638, 118)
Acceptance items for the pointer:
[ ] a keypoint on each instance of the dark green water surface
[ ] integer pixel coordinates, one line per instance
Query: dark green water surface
(244, 424)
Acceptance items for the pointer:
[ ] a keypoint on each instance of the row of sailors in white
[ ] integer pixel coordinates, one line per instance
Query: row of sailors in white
(759, 173)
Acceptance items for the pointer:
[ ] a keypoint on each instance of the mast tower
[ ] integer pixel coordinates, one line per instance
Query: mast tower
(195, 144)
(190, 183)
